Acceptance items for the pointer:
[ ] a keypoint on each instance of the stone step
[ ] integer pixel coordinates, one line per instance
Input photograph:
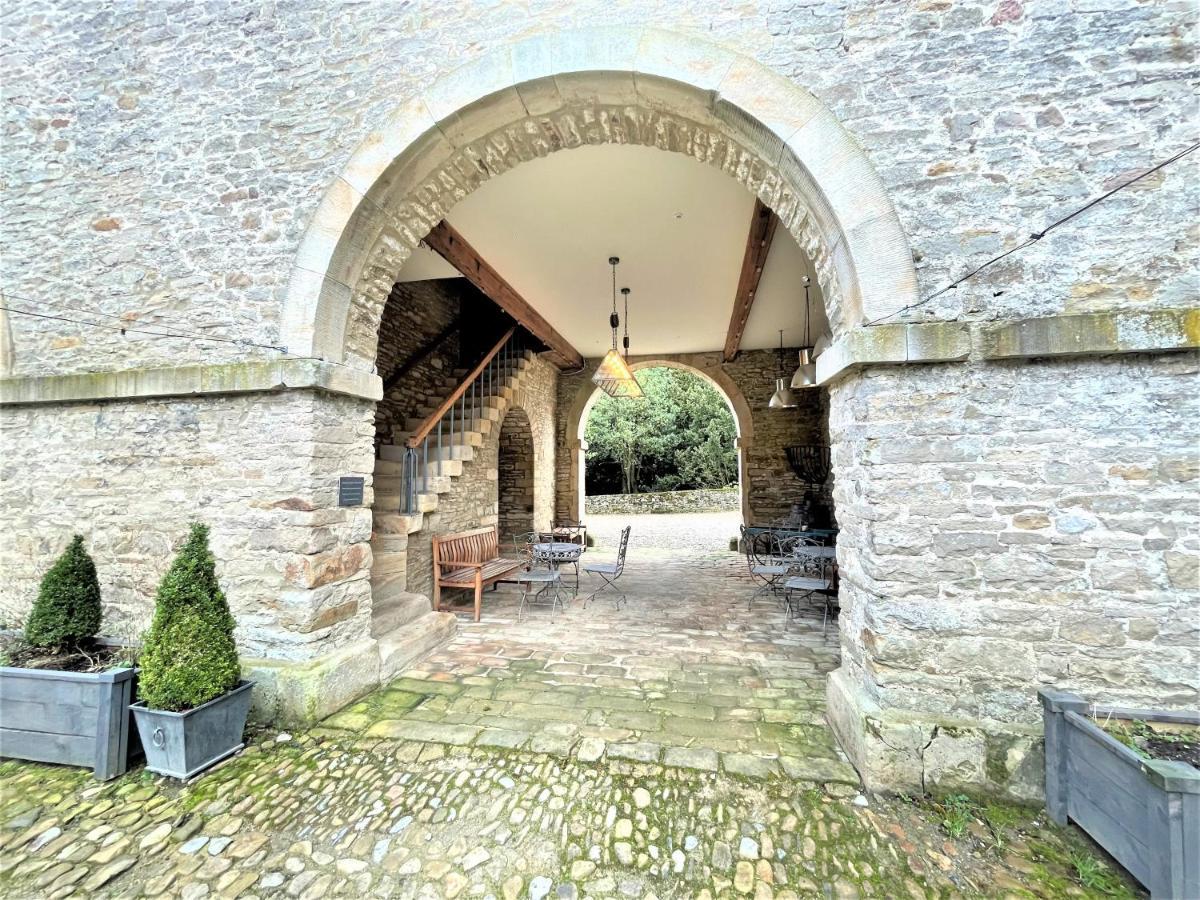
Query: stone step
(387, 564)
(384, 543)
(394, 608)
(389, 520)
(412, 640)
(388, 468)
(388, 584)
(426, 502)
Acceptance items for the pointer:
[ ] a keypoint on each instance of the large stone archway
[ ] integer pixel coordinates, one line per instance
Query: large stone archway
(608, 85)
(703, 367)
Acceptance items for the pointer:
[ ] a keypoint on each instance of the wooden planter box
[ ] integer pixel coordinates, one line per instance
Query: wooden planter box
(75, 718)
(1145, 813)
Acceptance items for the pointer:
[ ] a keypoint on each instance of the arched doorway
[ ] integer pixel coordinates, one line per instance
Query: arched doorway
(586, 398)
(515, 475)
(610, 86)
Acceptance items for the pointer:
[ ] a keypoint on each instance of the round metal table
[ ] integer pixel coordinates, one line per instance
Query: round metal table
(555, 553)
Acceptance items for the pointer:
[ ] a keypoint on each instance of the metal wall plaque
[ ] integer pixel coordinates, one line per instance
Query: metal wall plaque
(350, 490)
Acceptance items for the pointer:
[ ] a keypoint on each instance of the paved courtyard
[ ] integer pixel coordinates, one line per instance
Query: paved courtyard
(673, 748)
(685, 673)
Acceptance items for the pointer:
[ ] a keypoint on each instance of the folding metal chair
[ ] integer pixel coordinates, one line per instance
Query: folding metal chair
(765, 561)
(610, 572)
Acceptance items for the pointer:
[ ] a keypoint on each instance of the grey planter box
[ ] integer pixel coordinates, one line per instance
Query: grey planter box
(74, 718)
(183, 744)
(1145, 813)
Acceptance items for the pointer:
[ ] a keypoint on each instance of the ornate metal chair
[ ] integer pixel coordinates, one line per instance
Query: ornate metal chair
(766, 560)
(547, 581)
(812, 576)
(610, 572)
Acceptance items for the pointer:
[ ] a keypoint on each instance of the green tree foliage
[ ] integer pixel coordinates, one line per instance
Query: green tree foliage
(67, 611)
(189, 656)
(679, 436)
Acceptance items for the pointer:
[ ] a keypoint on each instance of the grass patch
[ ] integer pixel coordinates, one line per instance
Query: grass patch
(1096, 876)
(956, 812)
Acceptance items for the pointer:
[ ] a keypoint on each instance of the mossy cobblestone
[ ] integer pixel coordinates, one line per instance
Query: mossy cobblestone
(310, 816)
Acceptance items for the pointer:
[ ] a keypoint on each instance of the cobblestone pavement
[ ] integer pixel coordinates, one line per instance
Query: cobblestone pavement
(672, 748)
(303, 816)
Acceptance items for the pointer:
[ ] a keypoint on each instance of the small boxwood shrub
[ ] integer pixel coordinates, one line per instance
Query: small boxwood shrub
(67, 610)
(189, 656)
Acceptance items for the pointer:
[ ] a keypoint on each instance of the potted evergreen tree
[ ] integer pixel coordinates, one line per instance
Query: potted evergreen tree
(192, 702)
(64, 695)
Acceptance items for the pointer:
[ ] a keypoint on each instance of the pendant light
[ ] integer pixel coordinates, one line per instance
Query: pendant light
(614, 376)
(806, 373)
(783, 397)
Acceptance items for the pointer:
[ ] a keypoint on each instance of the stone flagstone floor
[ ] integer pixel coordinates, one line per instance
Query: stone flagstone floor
(687, 673)
(671, 749)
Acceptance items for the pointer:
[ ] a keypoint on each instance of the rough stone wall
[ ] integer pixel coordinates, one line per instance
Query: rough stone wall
(1014, 526)
(515, 465)
(169, 159)
(473, 500)
(771, 484)
(416, 312)
(260, 469)
(707, 500)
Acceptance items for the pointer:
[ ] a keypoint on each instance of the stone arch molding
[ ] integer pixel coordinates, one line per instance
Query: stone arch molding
(585, 398)
(569, 89)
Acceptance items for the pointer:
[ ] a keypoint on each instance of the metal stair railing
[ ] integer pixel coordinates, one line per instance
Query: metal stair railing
(450, 419)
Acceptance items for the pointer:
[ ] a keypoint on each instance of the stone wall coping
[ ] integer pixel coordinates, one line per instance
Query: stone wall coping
(1106, 333)
(181, 381)
(1103, 333)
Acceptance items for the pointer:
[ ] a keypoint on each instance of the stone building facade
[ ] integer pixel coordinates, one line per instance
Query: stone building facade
(1014, 461)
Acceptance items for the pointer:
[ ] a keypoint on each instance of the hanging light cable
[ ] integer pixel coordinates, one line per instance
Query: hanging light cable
(806, 373)
(614, 376)
(783, 397)
(632, 388)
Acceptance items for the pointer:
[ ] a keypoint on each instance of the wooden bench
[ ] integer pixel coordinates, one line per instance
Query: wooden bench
(471, 560)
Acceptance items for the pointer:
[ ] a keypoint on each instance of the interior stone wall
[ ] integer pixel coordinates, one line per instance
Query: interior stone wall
(515, 465)
(415, 313)
(1007, 527)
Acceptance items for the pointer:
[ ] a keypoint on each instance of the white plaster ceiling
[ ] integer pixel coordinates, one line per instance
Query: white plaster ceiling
(678, 225)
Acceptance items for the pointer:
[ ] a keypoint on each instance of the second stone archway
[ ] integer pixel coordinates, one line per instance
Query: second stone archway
(579, 404)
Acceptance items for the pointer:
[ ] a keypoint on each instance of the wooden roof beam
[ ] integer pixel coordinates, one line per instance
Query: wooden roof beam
(758, 244)
(453, 247)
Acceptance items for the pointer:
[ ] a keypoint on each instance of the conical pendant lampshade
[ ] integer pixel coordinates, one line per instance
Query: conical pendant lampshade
(614, 376)
(806, 373)
(783, 398)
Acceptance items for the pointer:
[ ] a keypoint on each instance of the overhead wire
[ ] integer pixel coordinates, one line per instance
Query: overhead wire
(126, 329)
(1038, 235)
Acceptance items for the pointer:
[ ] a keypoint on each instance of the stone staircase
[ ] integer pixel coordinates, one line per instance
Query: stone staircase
(403, 622)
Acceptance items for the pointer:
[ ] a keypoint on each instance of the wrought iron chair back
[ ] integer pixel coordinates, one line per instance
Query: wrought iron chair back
(624, 546)
(571, 533)
(523, 547)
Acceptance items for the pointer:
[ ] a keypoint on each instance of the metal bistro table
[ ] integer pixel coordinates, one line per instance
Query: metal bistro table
(555, 553)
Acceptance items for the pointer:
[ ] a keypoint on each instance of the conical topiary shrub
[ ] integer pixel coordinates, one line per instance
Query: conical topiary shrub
(67, 611)
(189, 656)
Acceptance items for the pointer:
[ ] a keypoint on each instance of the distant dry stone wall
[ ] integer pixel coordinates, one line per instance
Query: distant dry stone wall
(712, 500)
